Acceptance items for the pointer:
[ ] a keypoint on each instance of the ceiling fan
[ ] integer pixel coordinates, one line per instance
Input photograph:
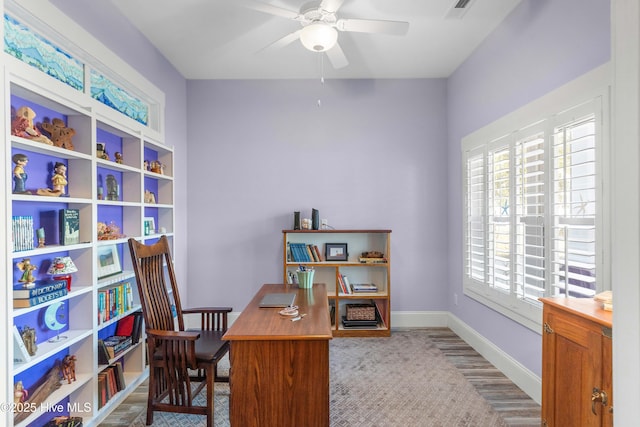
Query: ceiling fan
(320, 26)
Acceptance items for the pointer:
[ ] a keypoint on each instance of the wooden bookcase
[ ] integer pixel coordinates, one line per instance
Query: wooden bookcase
(577, 387)
(329, 272)
(93, 122)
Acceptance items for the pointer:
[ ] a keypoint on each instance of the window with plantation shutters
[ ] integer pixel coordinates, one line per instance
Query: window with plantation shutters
(533, 212)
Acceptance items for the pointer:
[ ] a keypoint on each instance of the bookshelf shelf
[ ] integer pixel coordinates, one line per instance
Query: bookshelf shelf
(331, 272)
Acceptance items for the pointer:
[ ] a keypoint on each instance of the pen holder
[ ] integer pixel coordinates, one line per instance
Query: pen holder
(305, 279)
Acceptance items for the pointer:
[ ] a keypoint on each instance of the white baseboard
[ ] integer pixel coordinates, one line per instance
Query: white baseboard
(514, 370)
(419, 319)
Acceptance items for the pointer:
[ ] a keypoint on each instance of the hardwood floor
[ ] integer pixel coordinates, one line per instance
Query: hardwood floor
(506, 398)
(515, 406)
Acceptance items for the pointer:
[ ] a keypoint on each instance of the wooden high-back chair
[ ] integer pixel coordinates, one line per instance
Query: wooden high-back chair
(177, 357)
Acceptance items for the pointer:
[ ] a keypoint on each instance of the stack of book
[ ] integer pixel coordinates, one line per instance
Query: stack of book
(114, 301)
(302, 252)
(22, 233)
(110, 382)
(114, 347)
(128, 330)
(364, 287)
(44, 291)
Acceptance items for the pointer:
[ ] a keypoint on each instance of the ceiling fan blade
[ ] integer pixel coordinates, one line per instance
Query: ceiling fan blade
(336, 57)
(282, 42)
(398, 28)
(267, 8)
(331, 6)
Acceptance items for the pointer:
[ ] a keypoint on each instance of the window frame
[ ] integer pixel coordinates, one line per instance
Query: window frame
(542, 115)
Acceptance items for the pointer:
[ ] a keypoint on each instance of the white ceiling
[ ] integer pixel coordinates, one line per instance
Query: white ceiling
(220, 39)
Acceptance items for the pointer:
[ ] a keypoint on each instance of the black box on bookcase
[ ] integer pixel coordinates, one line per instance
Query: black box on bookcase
(69, 220)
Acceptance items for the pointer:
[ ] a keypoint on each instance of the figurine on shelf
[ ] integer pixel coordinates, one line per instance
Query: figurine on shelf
(145, 165)
(118, 157)
(149, 197)
(20, 394)
(59, 133)
(156, 166)
(113, 189)
(58, 181)
(19, 174)
(27, 272)
(22, 125)
(69, 368)
(28, 335)
(40, 234)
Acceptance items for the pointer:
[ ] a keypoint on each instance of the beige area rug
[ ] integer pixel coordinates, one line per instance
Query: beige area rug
(399, 381)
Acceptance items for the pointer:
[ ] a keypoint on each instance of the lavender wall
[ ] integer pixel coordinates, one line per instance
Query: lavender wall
(100, 20)
(372, 156)
(539, 47)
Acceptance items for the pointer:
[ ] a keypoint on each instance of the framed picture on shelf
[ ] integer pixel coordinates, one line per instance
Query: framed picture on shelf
(336, 252)
(149, 225)
(108, 261)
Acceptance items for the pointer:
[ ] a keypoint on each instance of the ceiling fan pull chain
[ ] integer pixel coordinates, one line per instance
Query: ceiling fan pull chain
(321, 75)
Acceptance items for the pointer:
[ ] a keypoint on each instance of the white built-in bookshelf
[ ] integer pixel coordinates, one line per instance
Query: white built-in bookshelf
(141, 205)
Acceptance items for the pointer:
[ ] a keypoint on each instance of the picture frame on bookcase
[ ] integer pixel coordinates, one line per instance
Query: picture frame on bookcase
(336, 252)
(108, 261)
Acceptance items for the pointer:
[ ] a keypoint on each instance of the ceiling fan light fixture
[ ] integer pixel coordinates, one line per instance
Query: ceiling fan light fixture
(318, 37)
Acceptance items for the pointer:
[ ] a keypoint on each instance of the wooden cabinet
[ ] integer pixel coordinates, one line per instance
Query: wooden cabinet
(331, 272)
(576, 363)
(103, 191)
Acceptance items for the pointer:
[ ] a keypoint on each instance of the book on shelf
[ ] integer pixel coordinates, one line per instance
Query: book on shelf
(69, 226)
(65, 421)
(22, 233)
(368, 260)
(299, 252)
(358, 323)
(130, 326)
(303, 252)
(114, 301)
(364, 287)
(40, 299)
(117, 345)
(345, 285)
(42, 287)
(20, 353)
(103, 354)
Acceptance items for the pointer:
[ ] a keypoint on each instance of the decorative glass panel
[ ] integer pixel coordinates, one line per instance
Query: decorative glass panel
(106, 92)
(32, 49)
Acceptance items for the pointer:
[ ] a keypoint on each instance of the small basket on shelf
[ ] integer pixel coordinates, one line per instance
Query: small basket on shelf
(361, 312)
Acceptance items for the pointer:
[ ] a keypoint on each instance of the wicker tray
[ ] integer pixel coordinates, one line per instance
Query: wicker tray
(361, 312)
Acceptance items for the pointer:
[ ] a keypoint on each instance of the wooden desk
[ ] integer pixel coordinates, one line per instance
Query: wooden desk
(280, 369)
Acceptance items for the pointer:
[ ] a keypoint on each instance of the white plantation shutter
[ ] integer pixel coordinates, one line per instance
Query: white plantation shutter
(499, 221)
(574, 203)
(533, 213)
(530, 204)
(475, 226)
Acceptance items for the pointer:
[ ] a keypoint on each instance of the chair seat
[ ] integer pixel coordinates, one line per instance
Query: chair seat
(210, 345)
